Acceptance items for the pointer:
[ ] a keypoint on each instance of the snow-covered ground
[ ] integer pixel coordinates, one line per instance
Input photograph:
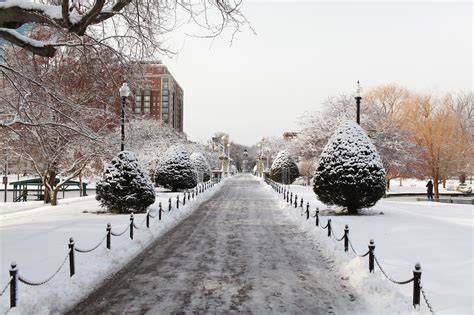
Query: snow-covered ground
(36, 236)
(412, 185)
(439, 236)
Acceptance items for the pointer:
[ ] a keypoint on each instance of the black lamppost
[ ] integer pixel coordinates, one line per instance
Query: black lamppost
(124, 93)
(358, 98)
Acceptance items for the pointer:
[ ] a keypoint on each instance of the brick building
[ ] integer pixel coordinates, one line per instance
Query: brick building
(161, 97)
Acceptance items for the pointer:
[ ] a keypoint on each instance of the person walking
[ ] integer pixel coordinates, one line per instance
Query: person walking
(429, 190)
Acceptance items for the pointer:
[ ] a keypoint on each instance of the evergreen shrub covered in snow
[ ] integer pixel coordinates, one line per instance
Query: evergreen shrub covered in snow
(350, 172)
(175, 170)
(282, 162)
(201, 165)
(125, 187)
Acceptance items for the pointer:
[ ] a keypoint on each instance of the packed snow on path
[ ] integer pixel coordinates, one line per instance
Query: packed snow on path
(36, 237)
(236, 253)
(440, 236)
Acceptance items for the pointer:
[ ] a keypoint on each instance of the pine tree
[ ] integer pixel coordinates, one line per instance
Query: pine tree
(284, 169)
(175, 170)
(201, 165)
(350, 172)
(125, 187)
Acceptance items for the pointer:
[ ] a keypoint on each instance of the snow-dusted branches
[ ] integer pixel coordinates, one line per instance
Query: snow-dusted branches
(132, 26)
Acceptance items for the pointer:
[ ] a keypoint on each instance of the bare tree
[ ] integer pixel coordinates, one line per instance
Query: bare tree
(59, 129)
(133, 27)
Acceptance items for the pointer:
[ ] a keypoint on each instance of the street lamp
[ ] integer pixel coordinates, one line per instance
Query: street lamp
(358, 98)
(124, 93)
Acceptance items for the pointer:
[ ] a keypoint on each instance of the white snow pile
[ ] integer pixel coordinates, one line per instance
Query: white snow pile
(37, 240)
(438, 235)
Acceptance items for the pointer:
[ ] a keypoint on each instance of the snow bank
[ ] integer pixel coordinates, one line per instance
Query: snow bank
(37, 240)
(440, 236)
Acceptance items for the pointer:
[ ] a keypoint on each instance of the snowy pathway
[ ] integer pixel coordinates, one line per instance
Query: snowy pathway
(237, 252)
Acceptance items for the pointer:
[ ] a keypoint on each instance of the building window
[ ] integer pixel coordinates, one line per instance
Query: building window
(147, 92)
(165, 92)
(146, 98)
(146, 107)
(165, 110)
(138, 108)
(164, 98)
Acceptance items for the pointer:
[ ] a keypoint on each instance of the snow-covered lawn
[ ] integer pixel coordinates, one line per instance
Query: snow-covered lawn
(36, 237)
(412, 185)
(439, 236)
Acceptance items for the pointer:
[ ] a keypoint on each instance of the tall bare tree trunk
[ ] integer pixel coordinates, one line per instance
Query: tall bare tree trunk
(54, 197)
(81, 190)
(51, 180)
(436, 189)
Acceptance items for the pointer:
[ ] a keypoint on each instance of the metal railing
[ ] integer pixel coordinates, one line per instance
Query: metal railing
(15, 276)
(373, 261)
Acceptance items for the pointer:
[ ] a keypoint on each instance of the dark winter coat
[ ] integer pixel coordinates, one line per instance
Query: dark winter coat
(430, 187)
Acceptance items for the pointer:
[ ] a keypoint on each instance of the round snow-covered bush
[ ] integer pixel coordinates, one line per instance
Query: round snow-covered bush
(201, 166)
(125, 187)
(350, 172)
(284, 169)
(175, 170)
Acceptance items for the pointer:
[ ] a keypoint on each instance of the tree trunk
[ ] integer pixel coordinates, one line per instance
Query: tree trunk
(388, 184)
(444, 182)
(435, 186)
(54, 197)
(352, 209)
(81, 190)
(51, 180)
(401, 181)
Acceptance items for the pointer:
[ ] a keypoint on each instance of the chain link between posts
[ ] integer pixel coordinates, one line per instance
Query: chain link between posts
(31, 283)
(6, 286)
(92, 249)
(388, 277)
(352, 247)
(120, 234)
(428, 304)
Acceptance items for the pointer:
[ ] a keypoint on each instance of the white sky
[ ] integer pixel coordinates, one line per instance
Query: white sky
(307, 51)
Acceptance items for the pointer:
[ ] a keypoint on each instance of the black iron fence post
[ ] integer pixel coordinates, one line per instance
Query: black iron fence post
(148, 219)
(184, 199)
(346, 238)
(131, 225)
(189, 195)
(161, 210)
(371, 255)
(301, 203)
(194, 190)
(13, 284)
(291, 198)
(177, 202)
(317, 216)
(169, 205)
(416, 285)
(108, 229)
(307, 209)
(72, 269)
(296, 201)
(287, 196)
(329, 227)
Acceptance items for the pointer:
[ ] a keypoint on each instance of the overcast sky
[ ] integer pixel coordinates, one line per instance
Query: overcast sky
(307, 51)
